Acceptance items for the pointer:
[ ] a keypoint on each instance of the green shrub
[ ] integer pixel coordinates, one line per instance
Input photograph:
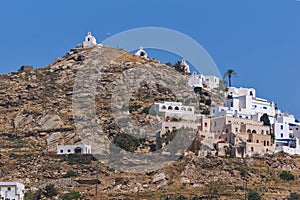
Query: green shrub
(205, 112)
(287, 176)
(33, 196)
(208, 102)
(198, 90)
(71, 196)
(294, 196)
(84, 159)
(128, 142)
(253, 195)
(69, 174)
(50, 191)
(181, 197)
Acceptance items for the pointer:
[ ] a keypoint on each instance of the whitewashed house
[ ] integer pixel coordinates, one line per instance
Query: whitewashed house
(287, 134)
(196, 80)
(176, 110)
(236, 92)
(199, 80)
(212, 82)
(243, 103)
(89, 41)
(74, 149)
(12, 191)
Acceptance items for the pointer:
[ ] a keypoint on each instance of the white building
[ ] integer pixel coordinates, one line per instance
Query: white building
(89, 41)
(12, 191)
(196, 80)
(142, 53)
(236, 92)
(243, 103)
(287, 134)
(176, 110)
(199, 80)
(74, 149)
(185, 66)
(212, 82)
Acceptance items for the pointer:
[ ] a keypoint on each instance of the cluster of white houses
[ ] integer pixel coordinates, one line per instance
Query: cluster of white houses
(236, 124)
(236, 128)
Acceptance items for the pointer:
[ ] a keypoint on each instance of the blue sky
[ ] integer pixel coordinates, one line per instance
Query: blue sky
(260, 40)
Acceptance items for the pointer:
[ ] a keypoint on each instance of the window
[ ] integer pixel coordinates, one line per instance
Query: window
(205, 124)
(267, 132)
(69, 150)
(257, 141)
(9, 188)
(268, 143)
(89, 39)
(236, 130)
(281, 135)
(176, 108)
(251, 93)
(252, 149)
(61, 151)
(262, 132)
(226, 131)
(281, 127)
(163, 107)
(265, 143)
(170, 108)
(265, 107)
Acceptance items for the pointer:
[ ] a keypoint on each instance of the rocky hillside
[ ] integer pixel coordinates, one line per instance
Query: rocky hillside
(37, 105)
(37, 113)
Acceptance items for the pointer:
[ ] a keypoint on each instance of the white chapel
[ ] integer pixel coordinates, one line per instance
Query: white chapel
(89, 41)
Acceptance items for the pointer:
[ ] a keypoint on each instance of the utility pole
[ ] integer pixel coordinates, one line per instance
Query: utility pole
(97, 185)
(245, 189)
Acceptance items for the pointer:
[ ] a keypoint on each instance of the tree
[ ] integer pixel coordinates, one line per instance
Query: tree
(265, 119)
(230, 73)
(294, 196)
(253, 195)
(287, 176)
(50, 191)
